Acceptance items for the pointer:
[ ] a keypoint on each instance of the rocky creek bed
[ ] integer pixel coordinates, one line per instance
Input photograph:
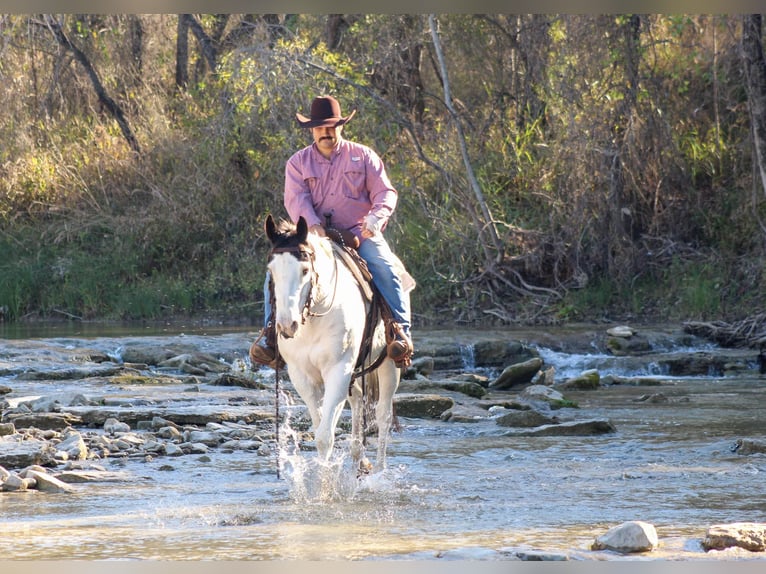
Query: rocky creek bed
(84, 413)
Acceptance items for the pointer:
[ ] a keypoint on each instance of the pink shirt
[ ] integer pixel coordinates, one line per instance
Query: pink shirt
(350, 185)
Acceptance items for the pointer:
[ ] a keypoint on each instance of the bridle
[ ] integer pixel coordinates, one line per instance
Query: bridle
(304, 252)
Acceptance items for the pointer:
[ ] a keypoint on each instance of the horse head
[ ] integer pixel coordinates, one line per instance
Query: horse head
(291, 265)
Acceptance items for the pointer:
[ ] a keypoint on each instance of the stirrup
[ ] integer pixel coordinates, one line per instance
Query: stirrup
(399, 348)
(262, 350)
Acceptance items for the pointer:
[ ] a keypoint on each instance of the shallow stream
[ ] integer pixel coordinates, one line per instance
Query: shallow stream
(452, 490)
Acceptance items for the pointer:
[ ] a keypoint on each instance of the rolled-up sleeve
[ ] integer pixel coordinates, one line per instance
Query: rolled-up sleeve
(383, 195)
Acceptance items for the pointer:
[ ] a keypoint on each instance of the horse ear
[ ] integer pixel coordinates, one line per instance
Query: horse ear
(271, 228)
(302, 230)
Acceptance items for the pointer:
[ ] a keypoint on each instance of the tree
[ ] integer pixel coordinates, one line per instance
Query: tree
(754, 66)
(109, 104)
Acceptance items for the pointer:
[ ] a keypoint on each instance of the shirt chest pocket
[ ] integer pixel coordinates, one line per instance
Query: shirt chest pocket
(354, 183)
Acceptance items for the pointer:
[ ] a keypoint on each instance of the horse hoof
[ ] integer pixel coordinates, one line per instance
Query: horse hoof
(365, 468)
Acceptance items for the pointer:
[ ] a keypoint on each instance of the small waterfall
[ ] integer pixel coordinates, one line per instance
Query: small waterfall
(468, 356)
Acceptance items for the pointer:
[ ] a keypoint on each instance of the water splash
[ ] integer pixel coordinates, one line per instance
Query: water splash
(311, 480)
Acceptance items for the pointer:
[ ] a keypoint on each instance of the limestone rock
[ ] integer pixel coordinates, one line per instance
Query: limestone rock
(421, 406)
(570, 428)
(49, 483)
(633, 536)
(748, 535)
(45, 421)
(517, 374)
(527, 419)
(621, 331)
(587, 380)
(22, 454)
(74, 445)
(542, 393)
(749, 446)
(499, 352)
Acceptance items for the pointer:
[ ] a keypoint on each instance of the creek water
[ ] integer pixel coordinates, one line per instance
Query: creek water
(452, 490)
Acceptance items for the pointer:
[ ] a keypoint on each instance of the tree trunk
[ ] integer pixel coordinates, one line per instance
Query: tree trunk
(489, 224)
(755, 83)
(182, 52)
(109, 104)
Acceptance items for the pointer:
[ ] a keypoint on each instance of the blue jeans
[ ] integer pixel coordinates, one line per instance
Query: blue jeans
(380, 261)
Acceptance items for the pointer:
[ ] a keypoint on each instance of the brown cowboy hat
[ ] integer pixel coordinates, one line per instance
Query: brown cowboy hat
(325, 113)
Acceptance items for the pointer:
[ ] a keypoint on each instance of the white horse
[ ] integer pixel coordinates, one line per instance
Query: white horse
(319, 315)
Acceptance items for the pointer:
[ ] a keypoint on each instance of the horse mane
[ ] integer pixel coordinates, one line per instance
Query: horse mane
(286, 236)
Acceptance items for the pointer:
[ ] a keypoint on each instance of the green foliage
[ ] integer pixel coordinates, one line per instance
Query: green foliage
(628, 165)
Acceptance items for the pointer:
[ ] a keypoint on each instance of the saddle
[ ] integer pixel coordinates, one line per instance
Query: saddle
(345, 245)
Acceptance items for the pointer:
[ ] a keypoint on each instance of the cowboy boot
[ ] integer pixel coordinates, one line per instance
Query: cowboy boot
(263, 350)
(400, 346)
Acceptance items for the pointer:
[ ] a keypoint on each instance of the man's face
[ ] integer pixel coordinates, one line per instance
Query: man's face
(326, 138)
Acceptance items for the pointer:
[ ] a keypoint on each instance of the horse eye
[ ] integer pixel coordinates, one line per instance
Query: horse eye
(305, 271)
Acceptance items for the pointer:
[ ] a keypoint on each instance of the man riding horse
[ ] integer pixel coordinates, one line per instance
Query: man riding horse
(346, 182)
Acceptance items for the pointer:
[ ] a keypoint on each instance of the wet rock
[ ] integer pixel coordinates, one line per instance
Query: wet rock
(194, 364)
(74, 446)
(468, 388)
(517, 374)
(204, 437)
(68, 374)
(526, 419)
(545, 377)
(113, 426)
(748, 535)
(494, 353)
(170, 433)
(464, 414)
(49, 483)
(421, 406)
(540, 556)
(542, 393)
(611, 379)
(621, 331)
(749, 446)
(569, 428)
(654, 398)
(421, 366)
(92, 475)
(634, 345)
(585, 381)
(147, 354)
(172, 449)
(55, 421)
(235, 380)
(693, 364)
(628, 537)
(14, 483)
(5, 390)
(14, 454)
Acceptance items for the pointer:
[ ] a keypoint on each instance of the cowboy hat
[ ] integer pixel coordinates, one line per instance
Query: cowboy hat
(325, 112)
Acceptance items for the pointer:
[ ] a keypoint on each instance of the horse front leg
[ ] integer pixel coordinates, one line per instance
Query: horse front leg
(360, 462)
(388, 380)
(335, 393)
